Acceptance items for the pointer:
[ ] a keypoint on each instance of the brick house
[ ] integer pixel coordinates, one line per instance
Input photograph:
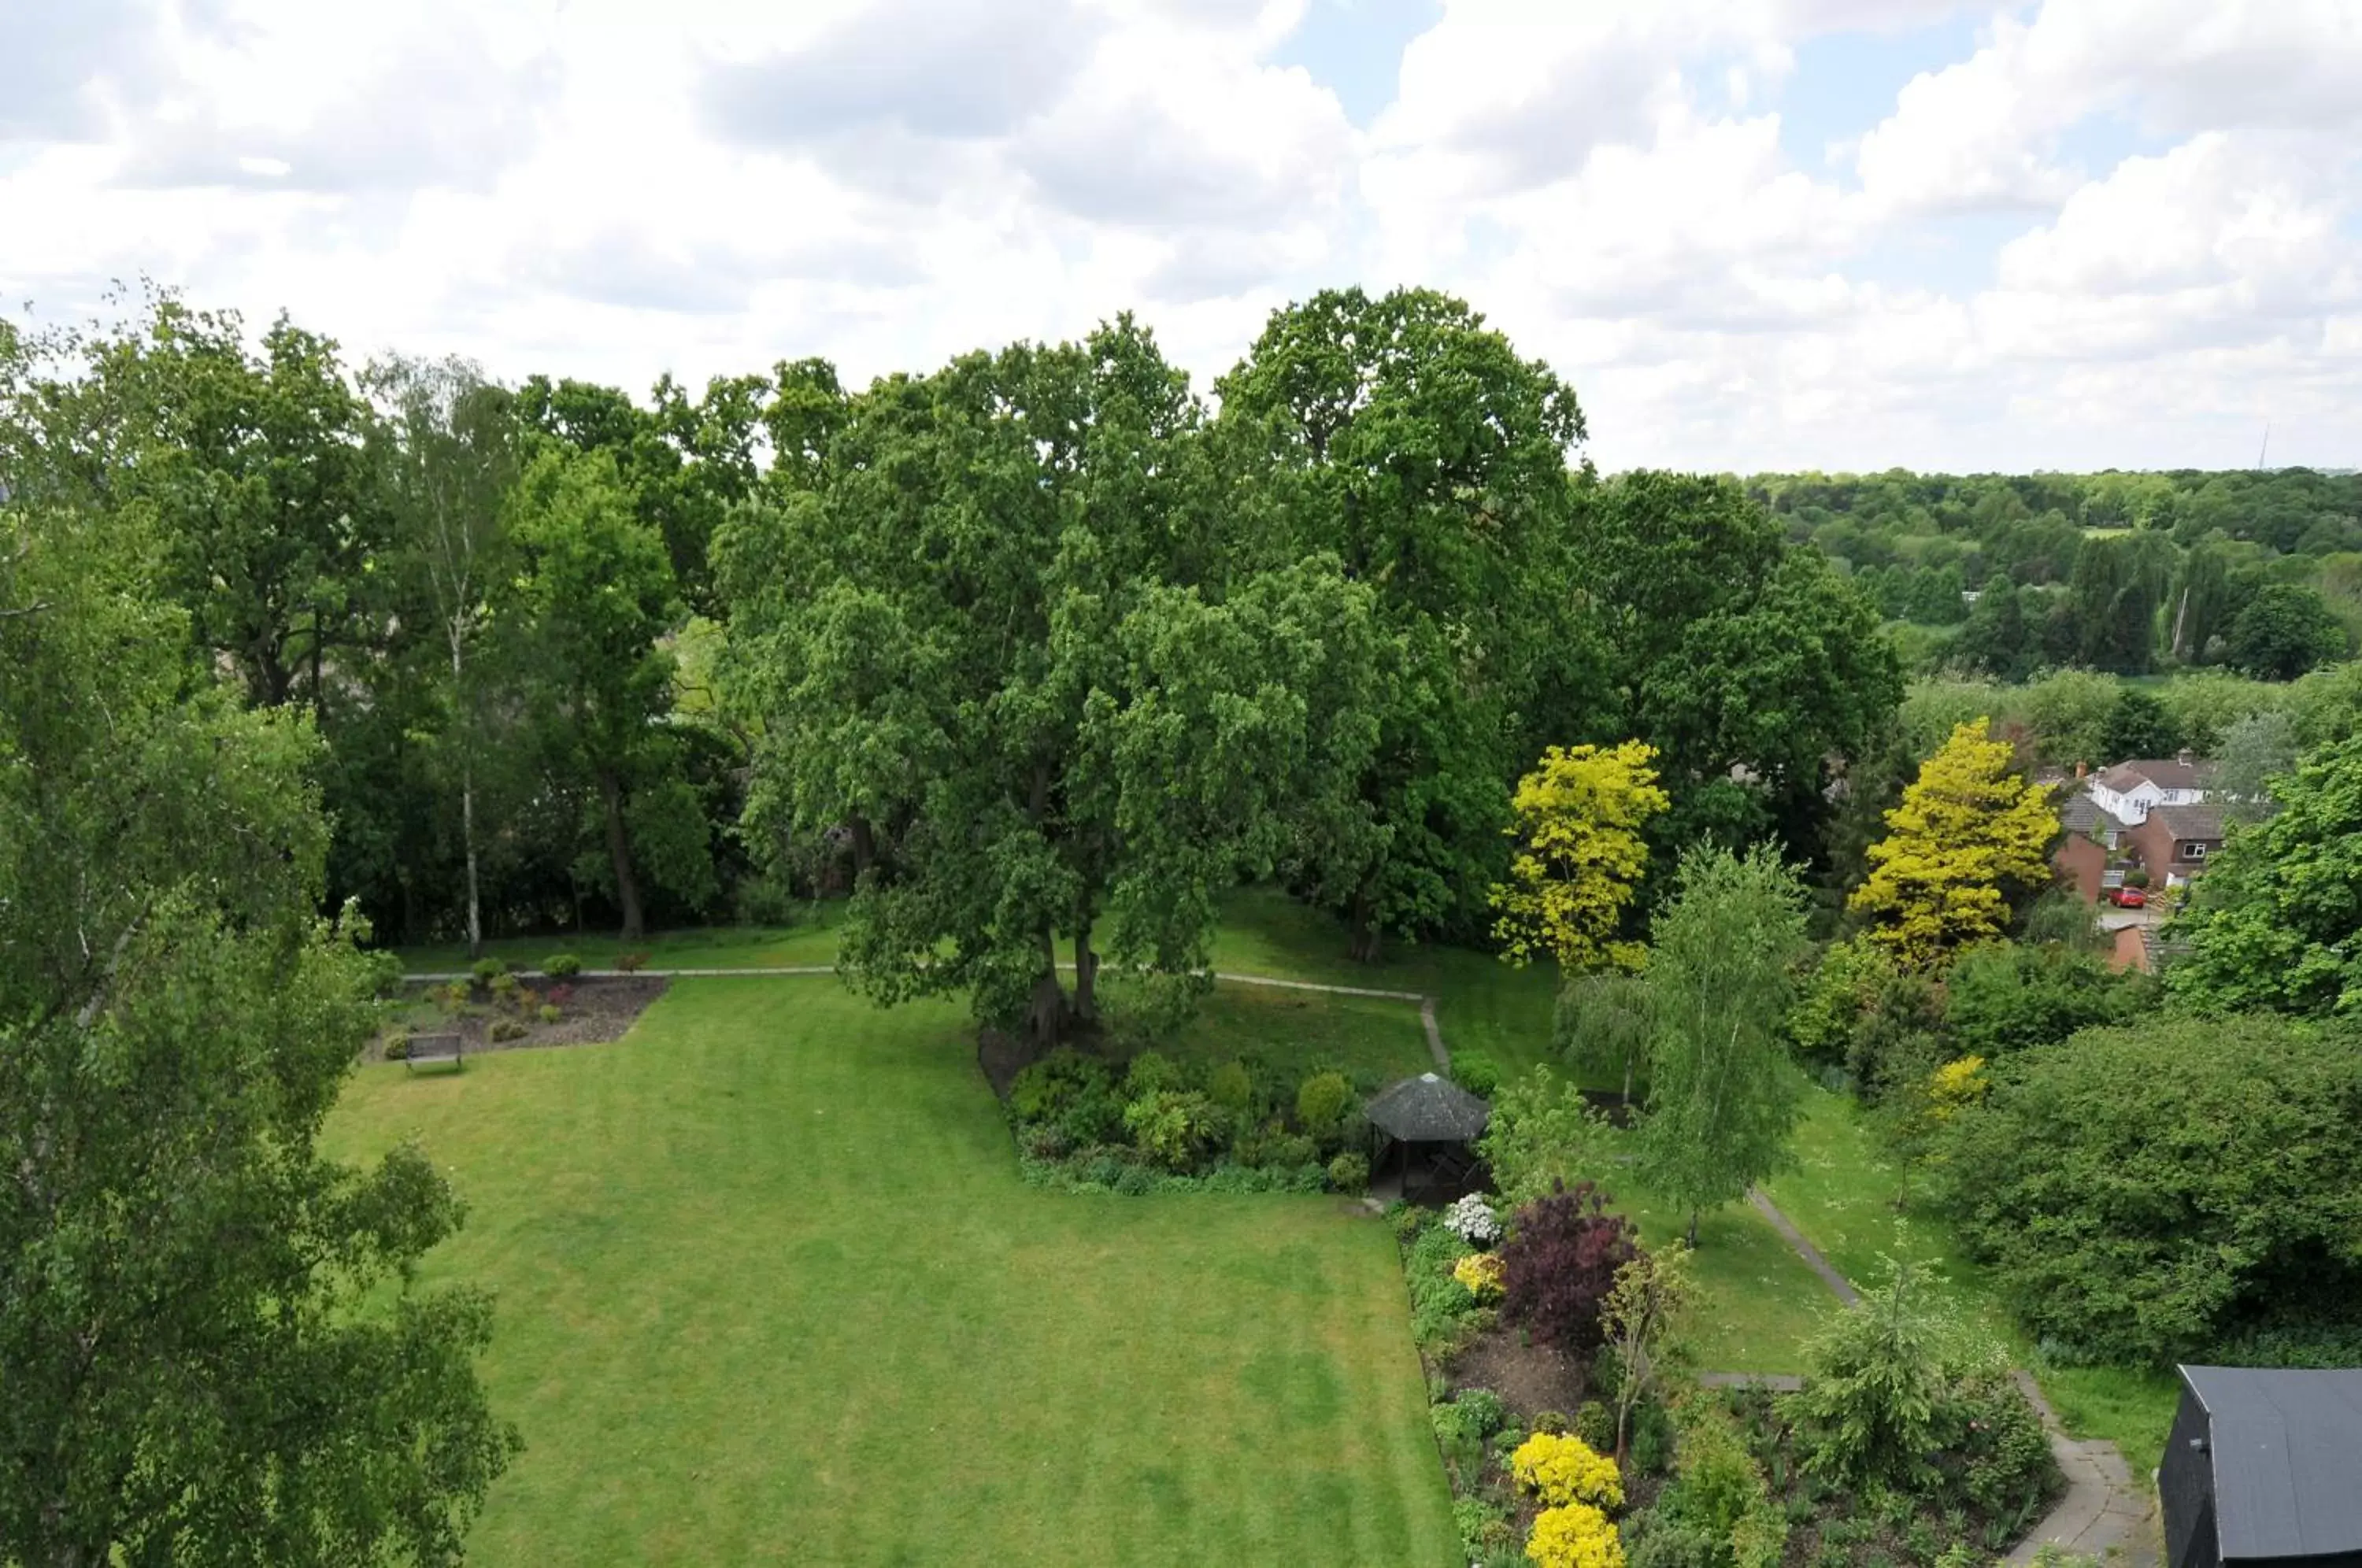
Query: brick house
(2091, 837)
(2174, 841)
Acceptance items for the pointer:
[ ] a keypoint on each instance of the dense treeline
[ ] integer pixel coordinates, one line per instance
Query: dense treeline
(1038, 647)
(2003, 574)
(214, 1344)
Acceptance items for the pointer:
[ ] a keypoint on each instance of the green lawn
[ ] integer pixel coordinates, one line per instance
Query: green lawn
(770, 1291)
(1374, 1043)
(712, 947)
(1760, 1302)
(1484, 1004)
(1843, 1198)
(1757, 1301)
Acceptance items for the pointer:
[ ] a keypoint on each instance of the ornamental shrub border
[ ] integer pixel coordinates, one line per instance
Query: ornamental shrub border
(1087, 1173)
(1155, 1124)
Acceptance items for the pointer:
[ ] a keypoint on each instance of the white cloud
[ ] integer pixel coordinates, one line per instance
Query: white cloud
(1983, 131)
(608, 189)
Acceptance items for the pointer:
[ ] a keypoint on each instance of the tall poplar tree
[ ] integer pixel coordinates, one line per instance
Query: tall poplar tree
(1723, 1095)
(448, 455)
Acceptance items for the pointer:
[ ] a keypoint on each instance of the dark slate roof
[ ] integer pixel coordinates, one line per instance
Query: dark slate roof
(2287, 1453)
(1429, 1109)
(2084, 815)
(2188, 821)
(2165, 773)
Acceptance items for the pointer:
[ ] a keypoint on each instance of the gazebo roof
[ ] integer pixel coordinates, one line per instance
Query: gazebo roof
(1429, 1109)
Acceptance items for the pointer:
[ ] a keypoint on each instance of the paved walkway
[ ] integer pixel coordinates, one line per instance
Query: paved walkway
(1778, 1382)
(1839, 1286)
(2105, 1513)
(1434, 1036)
(435, 977)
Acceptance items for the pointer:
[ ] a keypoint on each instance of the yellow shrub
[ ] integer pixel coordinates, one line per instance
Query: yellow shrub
(1562, 1469)
(1576, 1536)
(1481, 1273)
(1954, 1084)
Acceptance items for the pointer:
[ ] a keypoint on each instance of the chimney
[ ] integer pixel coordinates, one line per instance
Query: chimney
(2185, 756)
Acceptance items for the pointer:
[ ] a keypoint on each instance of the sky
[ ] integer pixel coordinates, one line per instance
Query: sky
(1753, 235)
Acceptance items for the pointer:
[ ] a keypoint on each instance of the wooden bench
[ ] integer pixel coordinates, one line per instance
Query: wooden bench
(434, 1048)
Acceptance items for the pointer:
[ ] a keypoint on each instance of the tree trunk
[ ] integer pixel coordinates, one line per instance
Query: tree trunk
(865, 845)
(619, 849)
(468, 806)
(1049, 1007)
(468, 835)
(272, 678)
(1693, 1227)
(319, 698)
(1086, 972)
(1367, 935)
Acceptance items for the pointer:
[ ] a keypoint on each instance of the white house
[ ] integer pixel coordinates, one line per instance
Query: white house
(2128, 790)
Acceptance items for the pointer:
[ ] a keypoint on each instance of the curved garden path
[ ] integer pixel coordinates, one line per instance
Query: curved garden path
(2105, 1514)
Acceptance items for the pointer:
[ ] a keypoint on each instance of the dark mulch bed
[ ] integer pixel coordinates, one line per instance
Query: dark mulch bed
(1611, 1103)
(1530, 1378)
(1003, 1056)
(596, 1009)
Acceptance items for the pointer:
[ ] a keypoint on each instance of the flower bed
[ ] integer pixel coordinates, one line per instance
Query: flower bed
(1515, 1335)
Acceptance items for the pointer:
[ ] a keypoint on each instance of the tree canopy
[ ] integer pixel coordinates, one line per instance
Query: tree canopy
(1749, 665)
(993, 628)
(1579, 856)
(2139, 1191)
(1968, 830)
(211, 1344)
(1402, 437)
(2272, 923)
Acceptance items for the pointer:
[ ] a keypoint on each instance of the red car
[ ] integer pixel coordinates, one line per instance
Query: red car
(2128, 898)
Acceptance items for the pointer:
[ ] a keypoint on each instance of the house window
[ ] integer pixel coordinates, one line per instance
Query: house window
(2193, 852)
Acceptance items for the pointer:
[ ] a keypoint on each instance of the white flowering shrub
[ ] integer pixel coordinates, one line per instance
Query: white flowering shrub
(1473, 1220)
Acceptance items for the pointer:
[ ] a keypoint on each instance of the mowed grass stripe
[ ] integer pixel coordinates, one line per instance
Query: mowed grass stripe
(770, 1289)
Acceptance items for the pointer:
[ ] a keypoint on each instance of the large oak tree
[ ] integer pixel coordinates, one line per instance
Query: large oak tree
(1408, 439)
(979, 626)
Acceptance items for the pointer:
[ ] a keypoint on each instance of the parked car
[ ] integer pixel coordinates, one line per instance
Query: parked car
(2128, 898)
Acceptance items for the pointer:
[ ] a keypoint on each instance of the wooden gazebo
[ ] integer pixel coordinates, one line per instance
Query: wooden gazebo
(1426, 1125)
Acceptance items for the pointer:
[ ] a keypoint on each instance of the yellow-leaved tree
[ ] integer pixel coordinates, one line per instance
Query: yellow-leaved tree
(1968, 827)
(1579, 855)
